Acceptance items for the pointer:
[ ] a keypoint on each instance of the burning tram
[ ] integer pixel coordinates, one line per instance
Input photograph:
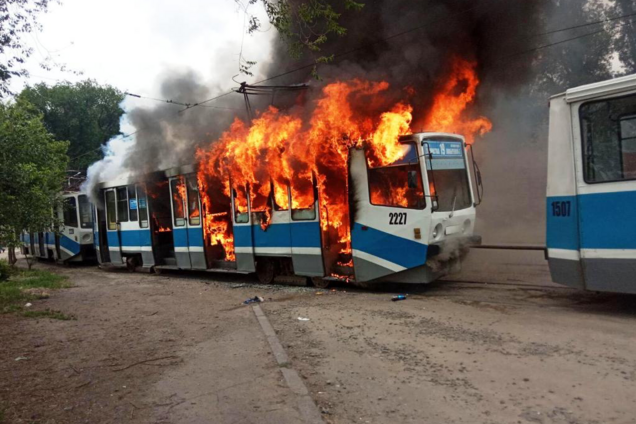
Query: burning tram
(409, 220)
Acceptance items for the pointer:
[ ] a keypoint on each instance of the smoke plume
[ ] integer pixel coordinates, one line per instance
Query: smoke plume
(494, 34)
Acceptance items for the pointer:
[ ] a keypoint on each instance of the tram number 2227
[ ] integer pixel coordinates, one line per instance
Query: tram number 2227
(561, 208)
(397, 218)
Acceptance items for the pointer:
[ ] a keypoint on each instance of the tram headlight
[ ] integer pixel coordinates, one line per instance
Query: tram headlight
(437, 231)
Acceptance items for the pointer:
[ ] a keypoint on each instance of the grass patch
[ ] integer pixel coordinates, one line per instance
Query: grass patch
(49, 313)
(24, 286)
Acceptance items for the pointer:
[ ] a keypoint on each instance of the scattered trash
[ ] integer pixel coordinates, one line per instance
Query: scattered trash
(303, 319)
(399, 297)
(21, 358)
(319, 293)
(28, 305)
(255, 299)
(237, 286)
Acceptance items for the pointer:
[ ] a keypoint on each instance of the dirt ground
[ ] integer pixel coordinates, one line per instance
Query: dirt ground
(499, 344)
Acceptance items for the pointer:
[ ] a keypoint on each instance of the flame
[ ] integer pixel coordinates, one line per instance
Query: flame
(307, 153)
(448, 106)
(178, 197)
(163, 230)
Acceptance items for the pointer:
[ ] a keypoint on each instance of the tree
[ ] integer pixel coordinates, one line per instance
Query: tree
(304, 25)
(32, 170)
(86, 114)
(17, 17)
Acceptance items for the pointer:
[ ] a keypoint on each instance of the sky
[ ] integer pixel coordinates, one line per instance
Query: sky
(133, 44)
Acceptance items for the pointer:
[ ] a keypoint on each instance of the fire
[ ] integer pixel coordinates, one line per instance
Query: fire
(163, 230)
(448, 106)
(178, 197)
(257, 163)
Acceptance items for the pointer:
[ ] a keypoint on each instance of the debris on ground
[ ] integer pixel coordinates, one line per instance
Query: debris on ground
(399, 297)
(28, 305)
(255, 299)
(21, 358)
(303, 319)
(38, 293)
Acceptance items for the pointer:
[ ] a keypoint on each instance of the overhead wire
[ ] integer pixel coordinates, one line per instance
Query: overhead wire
(545, 46)
(335, 56)
(399, 34)
(602, 21)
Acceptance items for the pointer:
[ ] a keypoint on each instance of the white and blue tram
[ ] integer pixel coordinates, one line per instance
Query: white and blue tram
(73, 240)
(591, 190)
(156, 222)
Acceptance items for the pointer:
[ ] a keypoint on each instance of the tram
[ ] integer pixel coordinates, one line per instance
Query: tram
(73, 242)
(156, 222)
(591, 189)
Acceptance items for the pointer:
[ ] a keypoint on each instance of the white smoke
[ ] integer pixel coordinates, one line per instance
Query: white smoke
(111, 167)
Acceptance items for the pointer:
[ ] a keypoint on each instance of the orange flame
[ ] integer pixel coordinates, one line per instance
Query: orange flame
(448, 106)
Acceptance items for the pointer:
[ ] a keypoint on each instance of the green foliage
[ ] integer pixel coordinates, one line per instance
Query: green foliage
(32, 169)
(590, 58)
(86, 114)
(17, 17)
(19, 288)
(6, 270)
(305, 25)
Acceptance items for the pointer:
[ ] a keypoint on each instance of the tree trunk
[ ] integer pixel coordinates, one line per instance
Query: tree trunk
(12, 257)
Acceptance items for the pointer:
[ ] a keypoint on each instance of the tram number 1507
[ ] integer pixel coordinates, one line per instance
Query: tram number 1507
(561, 208)
(397, 218)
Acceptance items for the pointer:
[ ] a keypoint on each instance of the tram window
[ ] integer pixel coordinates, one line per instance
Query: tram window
(86, 215)
(178, 201)
(281, 197)
(608, 133)
(70, 212)
(398, 184)
(303, 202)
(111, 204)
(142, 207)
(240, 207)
(194, 212)
(122, 204)
(132, 203)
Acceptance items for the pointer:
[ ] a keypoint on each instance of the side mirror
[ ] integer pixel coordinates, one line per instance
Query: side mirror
(412, 179)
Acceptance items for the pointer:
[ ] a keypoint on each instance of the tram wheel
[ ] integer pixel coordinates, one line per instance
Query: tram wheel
(265, 270)
(320, 282)
(131, 263)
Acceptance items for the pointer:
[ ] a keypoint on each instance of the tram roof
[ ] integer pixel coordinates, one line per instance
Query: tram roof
(620, 85)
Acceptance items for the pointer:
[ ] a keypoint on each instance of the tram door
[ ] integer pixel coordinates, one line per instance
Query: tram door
(112, 227)
(102, 236)
(243, 232)
(182, 236)
(305, 241)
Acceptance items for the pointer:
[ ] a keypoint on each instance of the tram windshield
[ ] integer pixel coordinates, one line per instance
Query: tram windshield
(86, 217)
(447, 174)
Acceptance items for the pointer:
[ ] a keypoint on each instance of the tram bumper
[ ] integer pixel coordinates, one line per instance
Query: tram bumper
(442, 258)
